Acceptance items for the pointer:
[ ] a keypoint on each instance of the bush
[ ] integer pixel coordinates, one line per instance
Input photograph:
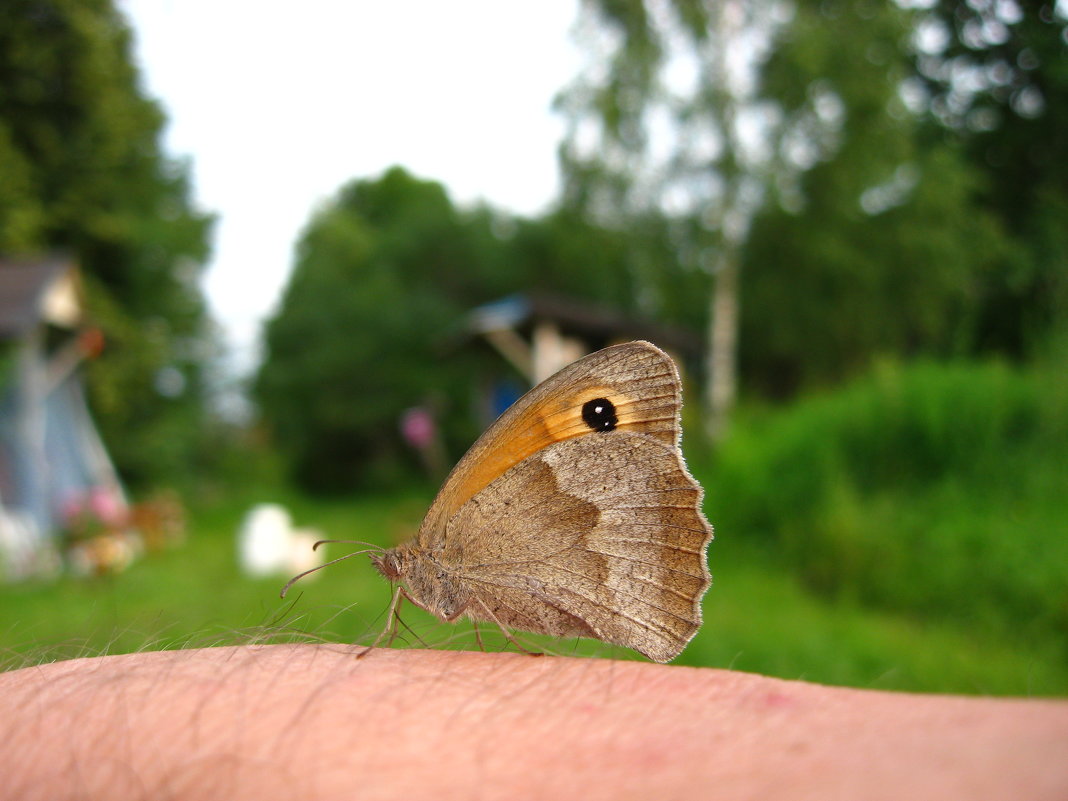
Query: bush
(934, 489)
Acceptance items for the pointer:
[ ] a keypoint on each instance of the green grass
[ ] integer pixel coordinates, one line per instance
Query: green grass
(906, 532)
(937, 491)
(758, 617)
(195, 595)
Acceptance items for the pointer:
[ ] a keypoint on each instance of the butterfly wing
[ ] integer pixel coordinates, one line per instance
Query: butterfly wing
(577, 541)
(638, 379)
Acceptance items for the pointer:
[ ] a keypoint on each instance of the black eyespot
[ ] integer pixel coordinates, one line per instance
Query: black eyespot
(599, 414)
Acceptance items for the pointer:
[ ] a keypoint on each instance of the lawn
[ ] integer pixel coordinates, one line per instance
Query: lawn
(905, 532)
(758, 617)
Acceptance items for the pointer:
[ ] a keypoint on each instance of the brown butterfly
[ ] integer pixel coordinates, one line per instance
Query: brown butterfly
(572, 515)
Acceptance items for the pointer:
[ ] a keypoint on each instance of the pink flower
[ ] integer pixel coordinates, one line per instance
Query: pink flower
(107, 506)
(417, 426)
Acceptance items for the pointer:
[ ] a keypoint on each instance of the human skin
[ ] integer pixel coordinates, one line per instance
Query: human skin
(315, 722)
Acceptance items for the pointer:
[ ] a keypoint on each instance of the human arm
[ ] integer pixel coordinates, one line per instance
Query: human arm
(314, 722)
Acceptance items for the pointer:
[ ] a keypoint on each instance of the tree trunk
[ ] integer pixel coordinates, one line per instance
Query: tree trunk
(722, 346)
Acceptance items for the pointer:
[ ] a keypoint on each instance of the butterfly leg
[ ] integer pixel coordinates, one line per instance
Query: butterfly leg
(507, 634)
(478, 636)
(407, 628)
(391, 623)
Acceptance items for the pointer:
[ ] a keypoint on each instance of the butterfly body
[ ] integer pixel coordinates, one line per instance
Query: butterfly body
(573, 514)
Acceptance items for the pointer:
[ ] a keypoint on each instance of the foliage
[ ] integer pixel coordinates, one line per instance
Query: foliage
(373, 319)
(902, 161)
(994, 77)
(932, 489)
(876, 232)
(83, 172)
(653, 117)
(878, 243)
(656, 124)
(633, 270)
(379, 279)
(920, 188)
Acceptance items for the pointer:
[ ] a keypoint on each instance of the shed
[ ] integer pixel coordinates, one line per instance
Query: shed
(539, 334)
(52, 461)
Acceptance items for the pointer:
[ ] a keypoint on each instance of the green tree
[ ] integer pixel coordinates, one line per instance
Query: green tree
(993, 76)
(658, 123)
(633, 270)
(811, 165)
(877, 241)
(373, 320)
(383, 277)
(83, 172)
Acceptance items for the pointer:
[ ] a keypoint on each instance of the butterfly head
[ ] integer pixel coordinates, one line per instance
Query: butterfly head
(426, 584)
(389, 563)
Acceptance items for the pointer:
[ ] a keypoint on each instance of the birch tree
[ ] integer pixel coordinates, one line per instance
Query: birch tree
(666, 116)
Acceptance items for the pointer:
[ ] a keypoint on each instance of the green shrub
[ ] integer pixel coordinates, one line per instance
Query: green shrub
(935, 489)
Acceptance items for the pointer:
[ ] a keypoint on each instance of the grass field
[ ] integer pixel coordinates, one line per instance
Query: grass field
(757, 616)
(907, 532)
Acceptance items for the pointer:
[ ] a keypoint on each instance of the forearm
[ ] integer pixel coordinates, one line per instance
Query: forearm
(315, 722)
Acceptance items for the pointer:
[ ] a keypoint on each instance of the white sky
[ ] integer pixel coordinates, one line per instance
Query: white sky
(278, 104)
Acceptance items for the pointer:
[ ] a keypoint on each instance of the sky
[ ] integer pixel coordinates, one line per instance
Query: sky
(276, 108)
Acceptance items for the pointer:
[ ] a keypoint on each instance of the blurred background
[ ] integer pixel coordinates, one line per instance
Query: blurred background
(266, 273)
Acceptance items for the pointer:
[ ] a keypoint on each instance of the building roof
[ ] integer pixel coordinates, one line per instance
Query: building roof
(33, 290)
(577, 317)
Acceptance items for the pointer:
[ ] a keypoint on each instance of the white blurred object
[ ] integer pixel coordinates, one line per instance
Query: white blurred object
(268, 545)
(22, 555)
(301, 554)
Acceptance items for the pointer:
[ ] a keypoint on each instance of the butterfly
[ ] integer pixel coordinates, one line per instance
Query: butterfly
(573, 515)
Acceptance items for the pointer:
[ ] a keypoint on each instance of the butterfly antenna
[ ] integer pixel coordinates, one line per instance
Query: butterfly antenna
(370, 545)
(299, 576)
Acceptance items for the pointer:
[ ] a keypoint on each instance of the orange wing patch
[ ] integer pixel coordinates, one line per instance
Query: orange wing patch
(553, 412)
(537, 428)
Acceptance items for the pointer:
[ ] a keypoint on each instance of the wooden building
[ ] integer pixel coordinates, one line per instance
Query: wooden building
(539, 334)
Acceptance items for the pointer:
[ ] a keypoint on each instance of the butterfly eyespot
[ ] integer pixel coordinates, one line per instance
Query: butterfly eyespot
(599, 414)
